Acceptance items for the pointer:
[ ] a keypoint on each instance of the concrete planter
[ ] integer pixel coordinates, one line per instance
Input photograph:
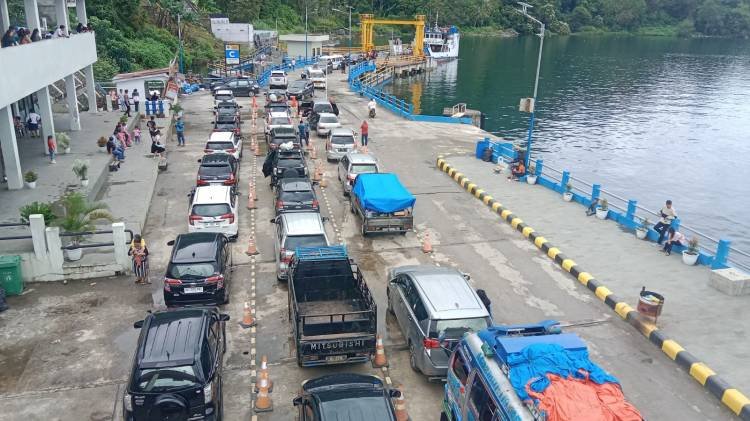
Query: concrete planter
(689, 259)
(73, 254)
(531, 179)
(67, 150)
(602, 213)
(641, 233)
(568, 196)
(31, 184)
(84, 182)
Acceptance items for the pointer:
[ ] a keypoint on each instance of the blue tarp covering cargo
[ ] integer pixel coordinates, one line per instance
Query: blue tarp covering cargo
(382, 193)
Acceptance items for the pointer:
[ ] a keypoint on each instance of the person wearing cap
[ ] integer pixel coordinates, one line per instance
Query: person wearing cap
(139, 253)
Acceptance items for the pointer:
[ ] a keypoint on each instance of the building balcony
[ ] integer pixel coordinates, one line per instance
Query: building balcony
(30, 67)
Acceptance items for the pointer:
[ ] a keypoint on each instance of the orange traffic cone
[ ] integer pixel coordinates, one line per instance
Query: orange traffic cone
(316, 172)
(263, 402)
(401, 414)
(379, 360)
(257, 149)
(250, 198)
(255, 105)
(323, 182)
(263, 374)
(426, 244)
(252, 191)
(251, 249)
(247, 319)
(313, 152)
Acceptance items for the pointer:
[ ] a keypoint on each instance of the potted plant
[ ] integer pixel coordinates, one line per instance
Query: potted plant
(124, 119)
(63, 141)
(568, 194)
(81, 170)
(101, 142)
(603, 210)
(641, 231)
(78, 216)
(34, 208)
(30, 178)
(177, 110)
(691, 254)
(531, 174)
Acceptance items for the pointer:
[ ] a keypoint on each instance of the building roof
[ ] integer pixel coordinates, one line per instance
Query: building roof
(142, 74)
(301, 38)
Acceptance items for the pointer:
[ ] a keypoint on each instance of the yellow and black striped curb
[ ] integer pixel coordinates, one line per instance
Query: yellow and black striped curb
(735, 400)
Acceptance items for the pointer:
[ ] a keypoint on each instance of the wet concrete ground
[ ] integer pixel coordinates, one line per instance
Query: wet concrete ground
(66, 349)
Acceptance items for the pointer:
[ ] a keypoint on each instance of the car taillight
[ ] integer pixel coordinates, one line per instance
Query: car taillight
(229, 217)
(194, 218)
(237, 131)
(169, 282)
(201, 182)
(216, 130)
(279, 204)
(233, 150)
(286, 256)
(230, 180)
(430, 343)
(215, 278)
(208, 151)
(315, 204)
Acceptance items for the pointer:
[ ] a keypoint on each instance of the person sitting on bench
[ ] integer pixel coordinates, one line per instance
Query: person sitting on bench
(517, 170)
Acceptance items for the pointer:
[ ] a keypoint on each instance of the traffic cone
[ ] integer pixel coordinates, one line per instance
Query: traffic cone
(257, 149)
(250, 198)
(263, 374)
(364, 149)
(323, 182)
(316, 172)
(401, 414)
(379, 360)
(247, 319)
(255, 105)
(252, 191)
(313, 152)
(251, 249)
(263, 402)
(426, 244)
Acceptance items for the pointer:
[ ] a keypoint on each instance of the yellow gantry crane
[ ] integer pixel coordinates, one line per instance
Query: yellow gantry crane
(368, 22)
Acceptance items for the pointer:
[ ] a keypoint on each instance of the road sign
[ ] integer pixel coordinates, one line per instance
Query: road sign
(232, 53)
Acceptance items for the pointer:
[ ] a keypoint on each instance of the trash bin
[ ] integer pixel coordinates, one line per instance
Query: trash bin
(481, 146)
(10, 275)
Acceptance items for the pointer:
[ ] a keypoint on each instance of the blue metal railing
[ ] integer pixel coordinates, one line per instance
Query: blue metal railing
(718, 254)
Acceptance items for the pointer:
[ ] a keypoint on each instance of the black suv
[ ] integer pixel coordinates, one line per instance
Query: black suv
(218, 169)
(302, 89)
(177, 368)
(199, 269)
(225, 123)
(279, 135)
(294, 195)
(326, 398)
(227, 110)
(284, 164)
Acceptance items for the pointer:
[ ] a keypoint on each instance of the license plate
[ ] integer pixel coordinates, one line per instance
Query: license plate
(193, 290)
(336, 358)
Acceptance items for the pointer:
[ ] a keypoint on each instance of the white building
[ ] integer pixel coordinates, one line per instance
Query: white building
(301, 45)
(231, 32)
(146, 81)
(27, 72)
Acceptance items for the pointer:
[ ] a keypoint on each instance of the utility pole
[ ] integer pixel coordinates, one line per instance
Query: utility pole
(350, 26)
(305, 31)
(179, 36)
(523, 11)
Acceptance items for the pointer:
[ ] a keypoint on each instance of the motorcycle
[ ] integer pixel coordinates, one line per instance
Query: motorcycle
(372, 112)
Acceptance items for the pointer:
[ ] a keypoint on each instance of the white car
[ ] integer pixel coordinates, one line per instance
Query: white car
(278, 120)
(340, 142)
(318, 78)
(224, 142)
(278, 79)
(326, 122)
(222, 95)
(214, 208)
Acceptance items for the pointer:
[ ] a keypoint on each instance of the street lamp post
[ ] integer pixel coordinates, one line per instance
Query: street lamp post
(305, 31)
(523, 11)
(350, 26)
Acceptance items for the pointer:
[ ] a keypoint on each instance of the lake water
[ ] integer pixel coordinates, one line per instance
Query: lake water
(648, 118)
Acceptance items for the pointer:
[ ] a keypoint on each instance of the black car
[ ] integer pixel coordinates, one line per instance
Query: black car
(279, 135)
(318, 108)
(240, 87)
(277, 107)
(228, 124)
(177, 368)
(296, 194)
(199, 269)
(358, 396)
(301, 89)
(227, 109)
(279, 93)
(281, 164)
(218, 168)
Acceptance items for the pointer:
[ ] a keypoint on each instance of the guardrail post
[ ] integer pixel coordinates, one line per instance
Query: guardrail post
(564, 180)
(595, 191)
(121, 249)
(675, 224)
(36, 225)
(539, 167)
(54, 253)
(631, 209)
(722, 253)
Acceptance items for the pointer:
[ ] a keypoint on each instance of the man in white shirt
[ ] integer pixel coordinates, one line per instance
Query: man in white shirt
(32, 121)
(668, 214)
(61, 32)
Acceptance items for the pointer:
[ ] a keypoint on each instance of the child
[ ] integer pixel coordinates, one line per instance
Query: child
(137, 135)
(52, 149)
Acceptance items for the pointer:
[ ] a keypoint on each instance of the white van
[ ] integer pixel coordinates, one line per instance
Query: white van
(317, 76)
(336, 60)
(213, 208)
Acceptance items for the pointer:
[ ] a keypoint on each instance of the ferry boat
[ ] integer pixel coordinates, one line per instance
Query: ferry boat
(441, 43)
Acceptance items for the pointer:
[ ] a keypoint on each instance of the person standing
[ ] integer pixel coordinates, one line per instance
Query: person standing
(32, 123)
(364, 130)
(668, 214)
(294, 63)
(302, 130)
(137, 134)
(136, 100)
(179, 128)
(52, 149)
(121, 101)
(485, 300)
(294, 105)
(126, 101)
(139, 253)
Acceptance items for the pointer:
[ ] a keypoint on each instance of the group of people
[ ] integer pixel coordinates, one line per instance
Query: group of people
(20, 36)
(124, 99)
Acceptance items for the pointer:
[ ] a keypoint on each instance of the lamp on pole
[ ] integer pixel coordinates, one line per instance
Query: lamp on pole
(179, 36)
(523, 11)
(350, 26)
(305, 31)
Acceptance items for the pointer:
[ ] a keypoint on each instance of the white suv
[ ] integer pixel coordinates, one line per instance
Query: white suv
(224, 142)
(214, 208)
(278, 79)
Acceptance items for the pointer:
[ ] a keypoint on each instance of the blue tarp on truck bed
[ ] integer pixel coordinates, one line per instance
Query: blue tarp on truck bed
(382, 193)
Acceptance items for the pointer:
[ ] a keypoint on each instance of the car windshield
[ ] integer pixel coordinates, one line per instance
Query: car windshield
(224, 97)
(455, 328)
(283, 130)
(363, 169)
(342, 140)
(277, 140)
(278, 121)
(317, 74)
(214, 170)
(289, 163)
(225, 126)
(357, 405)
(277, 74)
(328, 119)
(216, 209)
(298, 84)
(323, 108)
(297, 197)
(166, 379)
(305, 241)
(219, 146)
(190, 270)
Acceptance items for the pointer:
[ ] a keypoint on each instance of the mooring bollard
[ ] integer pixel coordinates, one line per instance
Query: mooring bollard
(595, 191)
(631, 209)
(722, 254)
(564, 181)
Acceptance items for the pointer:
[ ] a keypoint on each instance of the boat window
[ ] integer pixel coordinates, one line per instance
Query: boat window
(460, 369)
